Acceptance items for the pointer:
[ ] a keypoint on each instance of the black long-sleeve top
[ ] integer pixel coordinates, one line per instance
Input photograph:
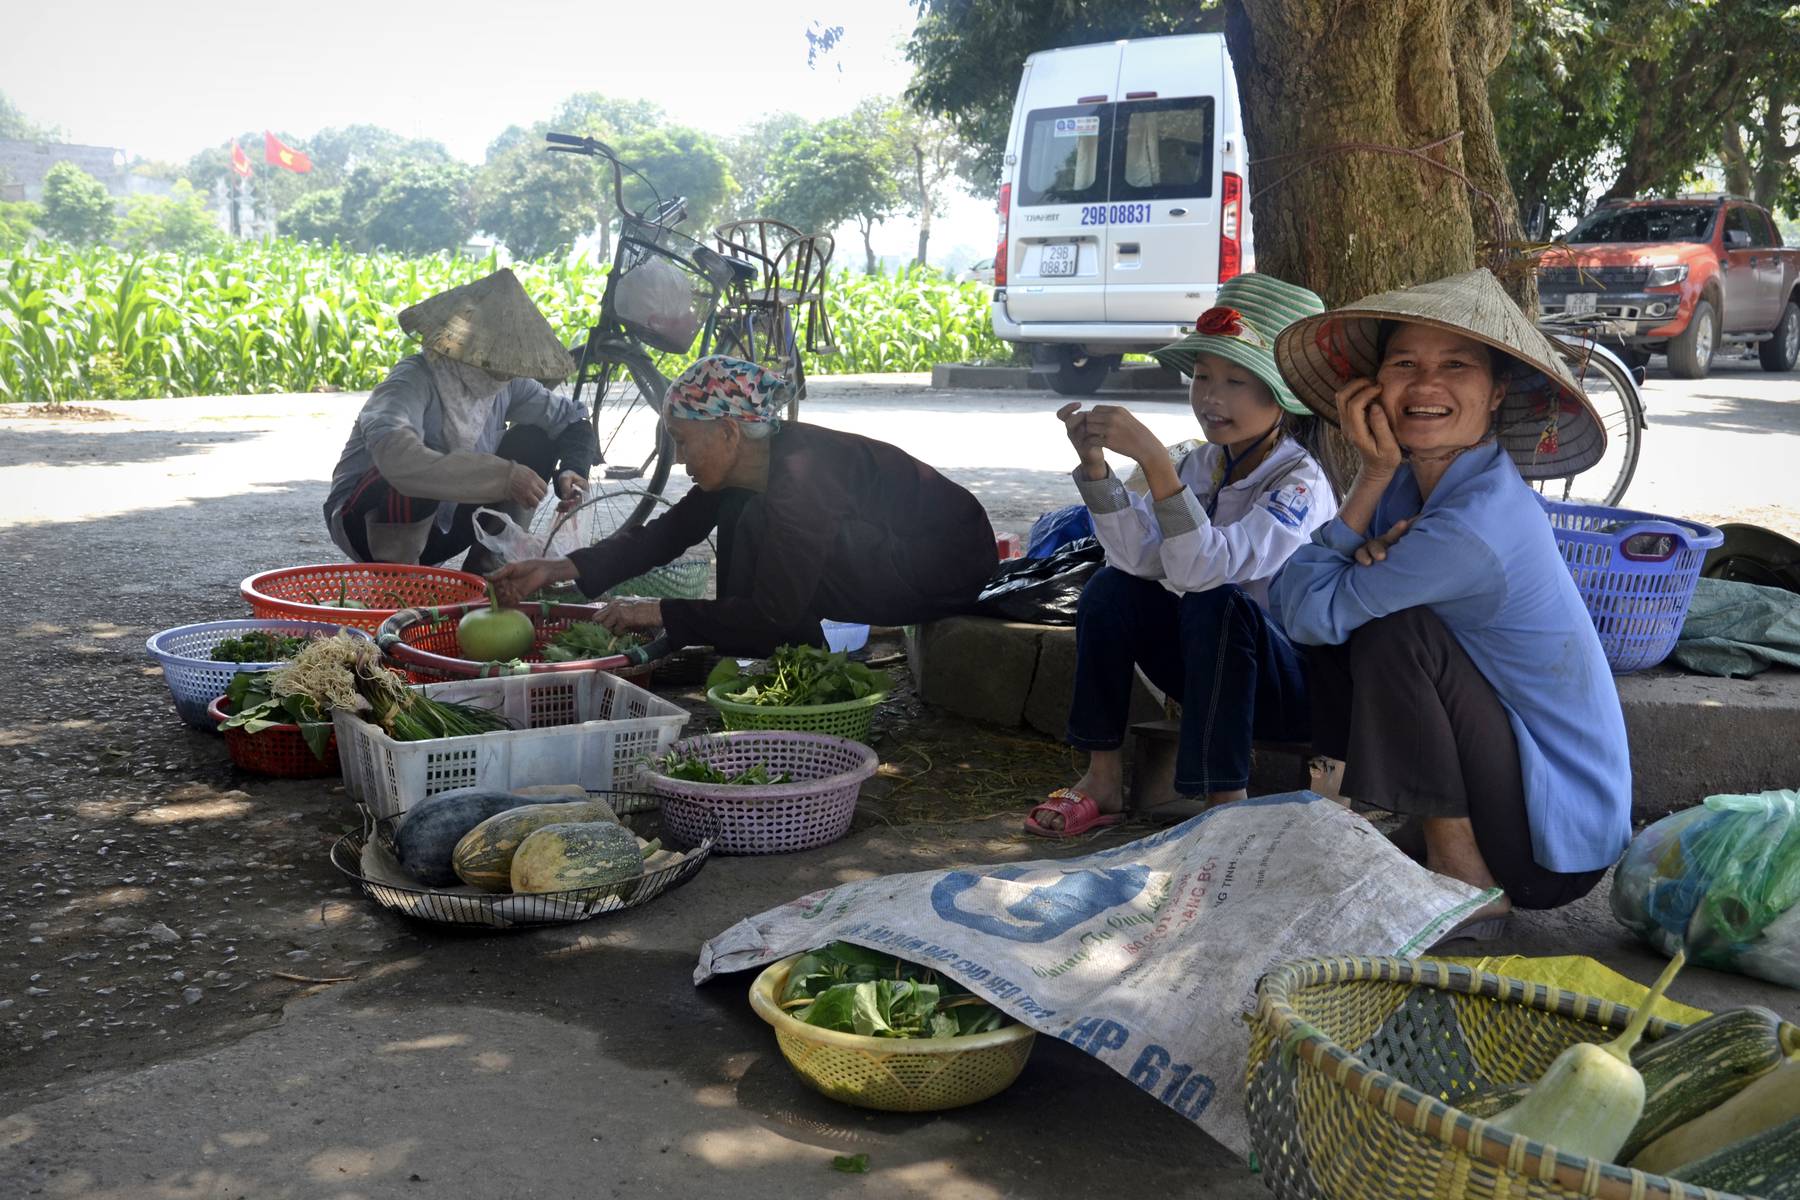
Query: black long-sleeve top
(850, 528)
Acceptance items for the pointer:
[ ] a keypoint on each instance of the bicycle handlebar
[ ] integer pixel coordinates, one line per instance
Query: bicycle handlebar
(663, 214)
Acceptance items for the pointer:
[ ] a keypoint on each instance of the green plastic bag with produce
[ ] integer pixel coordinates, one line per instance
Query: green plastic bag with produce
(1728, 873)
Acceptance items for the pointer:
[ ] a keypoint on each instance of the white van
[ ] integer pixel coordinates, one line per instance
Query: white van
(1122, 202)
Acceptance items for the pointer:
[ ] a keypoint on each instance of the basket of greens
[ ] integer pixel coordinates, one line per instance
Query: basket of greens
(198, 661)
(484, 641)
(801, 688)
(879, 1032)
(280, 722)
(764, 791)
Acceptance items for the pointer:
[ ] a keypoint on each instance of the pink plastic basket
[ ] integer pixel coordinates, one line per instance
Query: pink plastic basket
(814, 810)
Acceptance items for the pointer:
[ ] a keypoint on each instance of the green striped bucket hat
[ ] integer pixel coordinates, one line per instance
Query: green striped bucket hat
(1252, 310)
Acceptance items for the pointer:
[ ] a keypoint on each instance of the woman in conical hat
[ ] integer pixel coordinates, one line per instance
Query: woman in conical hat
(1455, 667)
(1184, 593)
(465, 422)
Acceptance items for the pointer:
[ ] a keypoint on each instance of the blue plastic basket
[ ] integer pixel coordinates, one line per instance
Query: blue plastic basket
(1636, 574)
(195, 680)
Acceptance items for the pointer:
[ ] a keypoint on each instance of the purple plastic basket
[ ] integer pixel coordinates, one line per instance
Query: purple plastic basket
(814, 810)
(1636, 574)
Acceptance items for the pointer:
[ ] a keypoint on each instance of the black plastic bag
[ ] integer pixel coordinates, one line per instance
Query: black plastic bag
(1042, 591)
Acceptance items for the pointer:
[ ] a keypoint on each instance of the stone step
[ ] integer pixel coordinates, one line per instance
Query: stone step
(1691, 736)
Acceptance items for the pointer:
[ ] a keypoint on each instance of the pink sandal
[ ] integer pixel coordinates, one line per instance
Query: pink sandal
(1080, 813)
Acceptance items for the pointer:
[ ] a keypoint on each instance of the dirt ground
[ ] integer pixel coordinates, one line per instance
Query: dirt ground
(156, 900)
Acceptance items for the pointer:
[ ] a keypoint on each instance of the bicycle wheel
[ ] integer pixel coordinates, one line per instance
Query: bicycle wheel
(624, 391)
(1614, 393)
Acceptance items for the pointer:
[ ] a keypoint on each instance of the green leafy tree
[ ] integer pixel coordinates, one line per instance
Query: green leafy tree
(605, 117)
(831, 174)
(533, 201)
(752, 155)
(422, 207)
(15, 126)
(337, 150)
(318, 217)
(77, 207)
(928, 156)
(17, 220)
(182, 221)
(674, 160)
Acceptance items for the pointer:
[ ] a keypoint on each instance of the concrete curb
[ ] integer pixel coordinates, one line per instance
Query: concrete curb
(1691, 736)
(1135, 377)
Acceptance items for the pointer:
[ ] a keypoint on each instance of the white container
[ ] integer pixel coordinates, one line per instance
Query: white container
(589, 728)
(844, 636)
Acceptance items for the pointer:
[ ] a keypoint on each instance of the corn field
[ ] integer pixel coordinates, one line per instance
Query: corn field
(100, 324)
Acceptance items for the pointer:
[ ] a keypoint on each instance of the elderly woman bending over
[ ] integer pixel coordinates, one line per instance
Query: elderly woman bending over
(812, 524)
(1455, 667)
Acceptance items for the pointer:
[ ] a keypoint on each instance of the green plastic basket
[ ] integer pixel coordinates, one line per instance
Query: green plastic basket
(851, 719)
(683, 579)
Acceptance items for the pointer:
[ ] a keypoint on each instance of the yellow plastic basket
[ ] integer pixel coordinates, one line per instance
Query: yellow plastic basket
(1355, 1064)
(895, 1074)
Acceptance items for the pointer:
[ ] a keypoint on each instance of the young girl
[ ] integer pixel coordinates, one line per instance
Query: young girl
(1185, 591)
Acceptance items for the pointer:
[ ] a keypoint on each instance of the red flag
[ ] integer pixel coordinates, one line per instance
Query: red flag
(276, 154)
(240, 162)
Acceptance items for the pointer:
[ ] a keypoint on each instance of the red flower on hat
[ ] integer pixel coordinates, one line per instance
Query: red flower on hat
(1220, 322)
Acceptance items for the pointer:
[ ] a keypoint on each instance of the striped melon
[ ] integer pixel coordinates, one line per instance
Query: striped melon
(483, 857)
(560, 858)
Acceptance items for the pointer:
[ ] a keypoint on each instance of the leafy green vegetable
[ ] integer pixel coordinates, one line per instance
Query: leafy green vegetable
(344, 672)
(799, 677)
(258, 646)
(695, 769)
(851, 1164)
(856, 990)
(585, 639)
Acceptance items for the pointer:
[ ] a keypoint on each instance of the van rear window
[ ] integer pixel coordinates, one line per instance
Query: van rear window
(1163, 149)
(1066, 153)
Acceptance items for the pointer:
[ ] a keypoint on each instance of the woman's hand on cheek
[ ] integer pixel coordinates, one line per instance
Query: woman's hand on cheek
(1365, 423)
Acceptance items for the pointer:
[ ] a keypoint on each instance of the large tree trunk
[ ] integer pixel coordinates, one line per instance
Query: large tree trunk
(1736, 160)
(868, 233)
(1316, 74)
(1319, 73)
(925, 198)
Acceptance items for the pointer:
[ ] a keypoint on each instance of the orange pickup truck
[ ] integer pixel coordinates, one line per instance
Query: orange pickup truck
(1679, 276)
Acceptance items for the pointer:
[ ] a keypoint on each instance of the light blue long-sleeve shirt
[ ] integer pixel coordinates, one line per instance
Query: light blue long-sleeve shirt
(1480, 554)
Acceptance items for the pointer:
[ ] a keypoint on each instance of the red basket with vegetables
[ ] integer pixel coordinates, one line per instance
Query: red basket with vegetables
(276, 748)
(483, 641)
(359, 594)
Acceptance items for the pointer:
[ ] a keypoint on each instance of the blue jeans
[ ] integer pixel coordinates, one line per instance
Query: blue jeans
(1235, 672)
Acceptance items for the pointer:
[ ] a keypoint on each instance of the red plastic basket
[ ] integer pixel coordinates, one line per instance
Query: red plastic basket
(423, 644)
(279, 750)
(386, 588)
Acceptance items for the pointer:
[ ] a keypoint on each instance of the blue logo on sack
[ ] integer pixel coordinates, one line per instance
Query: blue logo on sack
(1047, 911)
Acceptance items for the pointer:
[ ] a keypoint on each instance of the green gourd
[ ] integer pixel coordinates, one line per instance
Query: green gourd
(566, 857)
(483, 858)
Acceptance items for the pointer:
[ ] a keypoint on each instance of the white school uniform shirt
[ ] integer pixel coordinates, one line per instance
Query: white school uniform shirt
(1255, 525)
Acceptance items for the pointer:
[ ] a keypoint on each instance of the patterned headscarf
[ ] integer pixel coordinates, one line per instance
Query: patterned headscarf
(719, 387)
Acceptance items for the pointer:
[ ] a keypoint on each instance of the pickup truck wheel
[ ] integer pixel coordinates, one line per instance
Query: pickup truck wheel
(1083, 380)
(1782, 350)
(1690, 354)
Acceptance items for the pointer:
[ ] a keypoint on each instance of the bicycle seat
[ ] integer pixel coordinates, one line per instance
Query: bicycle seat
(744, 272)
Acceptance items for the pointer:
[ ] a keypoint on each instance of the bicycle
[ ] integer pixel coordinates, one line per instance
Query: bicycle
(663, 291)
(1612, 387)
(757, 324)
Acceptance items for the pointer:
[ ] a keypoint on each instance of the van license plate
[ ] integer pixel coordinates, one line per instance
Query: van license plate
(1057, 260)
(1580, 304)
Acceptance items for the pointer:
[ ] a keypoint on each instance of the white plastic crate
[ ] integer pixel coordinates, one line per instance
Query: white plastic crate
(589, 728)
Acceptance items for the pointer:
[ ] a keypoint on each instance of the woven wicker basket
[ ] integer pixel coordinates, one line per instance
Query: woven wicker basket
(893, 1074)
(1353, 1059)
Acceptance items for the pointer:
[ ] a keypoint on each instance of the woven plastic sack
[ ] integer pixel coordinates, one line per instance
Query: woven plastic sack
(1727, 875)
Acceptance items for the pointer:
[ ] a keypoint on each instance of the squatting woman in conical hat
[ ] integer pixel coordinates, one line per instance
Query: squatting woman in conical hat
(1454, 666)
(1184, 593)
(812, 523)
(465, 422)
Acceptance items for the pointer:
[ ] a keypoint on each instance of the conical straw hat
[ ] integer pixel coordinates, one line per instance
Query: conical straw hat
(492, 324)
(1546, 422)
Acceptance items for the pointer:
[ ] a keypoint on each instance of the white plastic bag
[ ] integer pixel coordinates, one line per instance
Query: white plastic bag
(506, 541)
(656, 299)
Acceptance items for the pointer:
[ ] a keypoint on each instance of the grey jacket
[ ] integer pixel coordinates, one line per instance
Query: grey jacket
(400, 434)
